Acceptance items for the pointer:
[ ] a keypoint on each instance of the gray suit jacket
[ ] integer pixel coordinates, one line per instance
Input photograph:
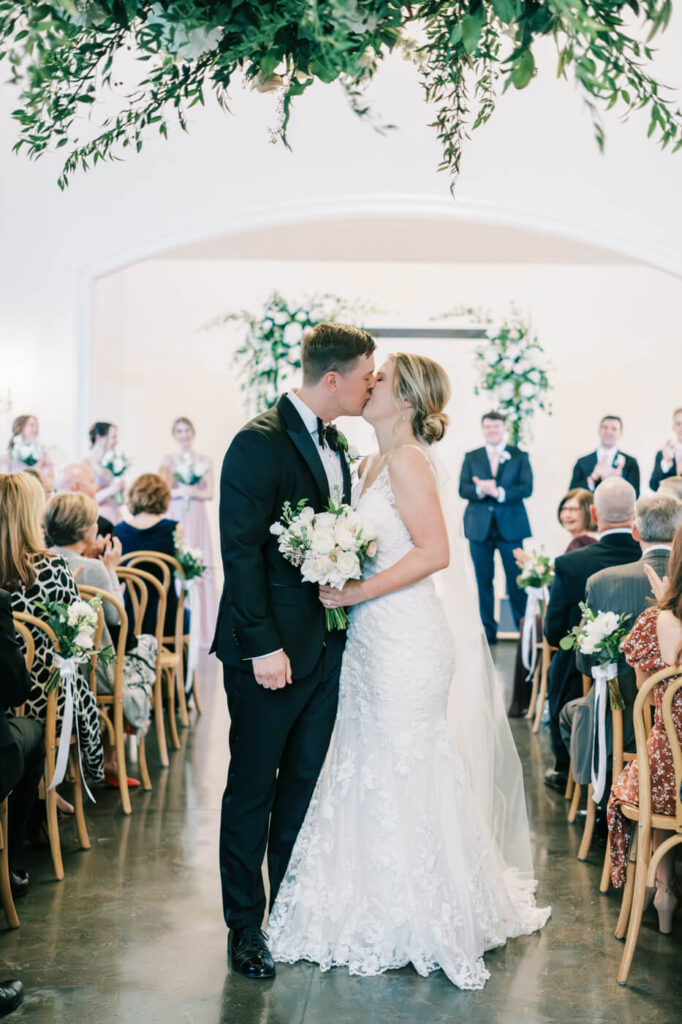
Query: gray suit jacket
(623, 589)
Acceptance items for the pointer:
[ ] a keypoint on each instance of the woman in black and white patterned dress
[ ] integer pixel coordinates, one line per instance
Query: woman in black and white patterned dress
(32, 575)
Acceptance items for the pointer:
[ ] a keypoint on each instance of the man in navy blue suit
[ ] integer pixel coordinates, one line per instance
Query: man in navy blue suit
(495, 479)
(607, 460)
(669, 459)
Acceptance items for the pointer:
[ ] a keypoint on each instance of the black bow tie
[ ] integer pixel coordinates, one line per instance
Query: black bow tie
(328, 434)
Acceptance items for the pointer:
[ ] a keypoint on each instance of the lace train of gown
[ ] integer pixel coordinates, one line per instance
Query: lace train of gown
(391, 865)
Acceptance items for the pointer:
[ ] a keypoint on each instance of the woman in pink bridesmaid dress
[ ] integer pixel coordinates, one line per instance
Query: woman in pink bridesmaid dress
(103, 439)
(26, 452)
(188, 506)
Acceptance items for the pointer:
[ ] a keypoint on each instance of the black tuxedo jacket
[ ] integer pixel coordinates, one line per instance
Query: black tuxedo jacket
(586, 464)
(571, 573)
(265, 605)
(15, 686)
(658, 473)
(515, 476)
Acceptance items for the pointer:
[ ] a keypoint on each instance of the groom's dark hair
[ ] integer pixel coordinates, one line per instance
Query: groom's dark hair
(330, 346)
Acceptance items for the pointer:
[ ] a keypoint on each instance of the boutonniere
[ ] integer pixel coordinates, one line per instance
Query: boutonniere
(619, 461)
(350, 451)
(504, 456)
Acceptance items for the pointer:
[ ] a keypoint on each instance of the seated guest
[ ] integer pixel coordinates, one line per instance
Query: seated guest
(625, 590)
(495, 480)
(668, 462)
(71, 521)
(607, 460)
(574, 515)
(614, 513)
(78, 478)
(33, 575)
(22, 753)
(654, 643)
(149, 529)
(672, 485)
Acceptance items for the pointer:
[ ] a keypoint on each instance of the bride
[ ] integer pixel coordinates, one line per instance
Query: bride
(415, 848)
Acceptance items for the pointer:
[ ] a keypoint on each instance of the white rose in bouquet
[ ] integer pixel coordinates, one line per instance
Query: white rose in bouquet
(344, 538)
(325, 520)
(307, 515)
(84, 639)
(281, 318)
(506, 390)
(322, 541)
(292, 334)
(348, 565)
(527, 390)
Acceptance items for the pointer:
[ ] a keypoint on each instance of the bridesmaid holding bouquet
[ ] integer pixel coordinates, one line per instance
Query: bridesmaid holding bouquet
(190, 478)
(25, 450)
(108, 466)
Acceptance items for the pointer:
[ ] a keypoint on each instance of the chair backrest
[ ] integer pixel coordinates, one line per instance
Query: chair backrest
(34, 623)
(88, 593)
(169, 567)
(136, 591)
(640, 715)
(137, 577)
(27, 641)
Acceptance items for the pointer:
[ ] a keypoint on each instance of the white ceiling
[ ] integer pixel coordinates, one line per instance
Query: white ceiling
(396, 239)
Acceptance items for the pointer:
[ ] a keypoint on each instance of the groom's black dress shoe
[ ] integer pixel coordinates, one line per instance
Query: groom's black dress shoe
(249, 953)
(556, 780)
(11, 995)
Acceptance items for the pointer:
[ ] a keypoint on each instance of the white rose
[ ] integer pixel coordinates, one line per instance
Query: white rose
(322, 541)
(267, 325)
(277, 529)
(523, 364)
(534, 376)
(294, 355)
(368, 531)
(302, 316)
(325, 520)
(292, 334)
(609, 623)
(281, 318)
(527, 390)
(345, 538)
(506, 390)
(84, 639)
(490, 353)
(348, 565)
(307, 515)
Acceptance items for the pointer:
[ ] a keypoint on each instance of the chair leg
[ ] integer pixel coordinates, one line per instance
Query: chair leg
(158, 720)
(81, 827)
(172, 724)
(638, 900)
(590, 820)
(541, 699)
(534, 690)
(53, 830)
(180, 692)
(5, 886)
(570, 783)
(626, 901)
(142, 761)
(575, 803)
(195, 694)
(121, 760)
(606, 870)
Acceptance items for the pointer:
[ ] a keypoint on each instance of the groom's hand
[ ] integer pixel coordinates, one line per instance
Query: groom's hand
(272, 672)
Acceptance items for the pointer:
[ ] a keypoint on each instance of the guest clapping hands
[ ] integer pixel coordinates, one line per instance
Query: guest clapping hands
(668, 462)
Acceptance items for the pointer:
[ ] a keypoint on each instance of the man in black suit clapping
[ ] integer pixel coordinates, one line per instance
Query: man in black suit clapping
(495, 479)
(668, 461)
(607, 460)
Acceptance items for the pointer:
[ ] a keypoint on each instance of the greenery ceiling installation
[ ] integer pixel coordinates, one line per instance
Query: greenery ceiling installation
(133, 64)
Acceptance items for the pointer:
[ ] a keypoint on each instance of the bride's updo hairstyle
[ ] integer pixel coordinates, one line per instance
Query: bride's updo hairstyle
(426, 386)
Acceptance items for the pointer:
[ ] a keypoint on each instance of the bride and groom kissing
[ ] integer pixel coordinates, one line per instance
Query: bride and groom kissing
(406, 840)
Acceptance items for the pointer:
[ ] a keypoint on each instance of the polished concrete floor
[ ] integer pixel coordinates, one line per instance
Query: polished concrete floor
(135, 934)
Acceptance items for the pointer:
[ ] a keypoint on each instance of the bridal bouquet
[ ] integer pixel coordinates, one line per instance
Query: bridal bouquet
(28, 452)
(599, 635)
(117, 463)
(189, 470)
(74, 625)
(191, 559)
(329, 547)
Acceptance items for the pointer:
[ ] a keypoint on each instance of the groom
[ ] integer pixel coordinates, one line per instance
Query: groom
(281, 668)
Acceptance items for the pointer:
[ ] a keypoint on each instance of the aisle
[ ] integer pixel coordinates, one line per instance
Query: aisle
(134, 934)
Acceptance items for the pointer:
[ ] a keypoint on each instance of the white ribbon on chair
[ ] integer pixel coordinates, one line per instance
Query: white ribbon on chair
(601, 675)
(192, 590)
(537, 596)
(68, 670)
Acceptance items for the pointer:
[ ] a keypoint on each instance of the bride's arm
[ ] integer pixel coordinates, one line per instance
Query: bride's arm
(414, 486)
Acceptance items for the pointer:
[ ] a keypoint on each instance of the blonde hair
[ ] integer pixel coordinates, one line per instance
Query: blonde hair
(426, 386)
(22, 500)
(68, 518)
(183, 419)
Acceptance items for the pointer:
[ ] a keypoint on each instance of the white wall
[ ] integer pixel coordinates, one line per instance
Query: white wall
(534, 164)
(613, 334)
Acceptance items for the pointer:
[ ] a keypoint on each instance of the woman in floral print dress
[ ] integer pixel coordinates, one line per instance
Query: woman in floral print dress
(654, 643)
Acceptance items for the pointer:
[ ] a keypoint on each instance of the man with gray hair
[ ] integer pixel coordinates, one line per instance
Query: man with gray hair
(78, 478)
(671, 485)
(625, 590)
(614, 513)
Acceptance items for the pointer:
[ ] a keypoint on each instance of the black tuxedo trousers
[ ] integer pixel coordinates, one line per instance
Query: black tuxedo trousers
(278, 743)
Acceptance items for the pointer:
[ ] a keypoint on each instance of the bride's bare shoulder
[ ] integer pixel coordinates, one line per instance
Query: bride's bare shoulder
(410, 465)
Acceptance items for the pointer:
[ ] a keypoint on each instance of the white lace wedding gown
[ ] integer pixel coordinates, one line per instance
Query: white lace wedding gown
(393, 864)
